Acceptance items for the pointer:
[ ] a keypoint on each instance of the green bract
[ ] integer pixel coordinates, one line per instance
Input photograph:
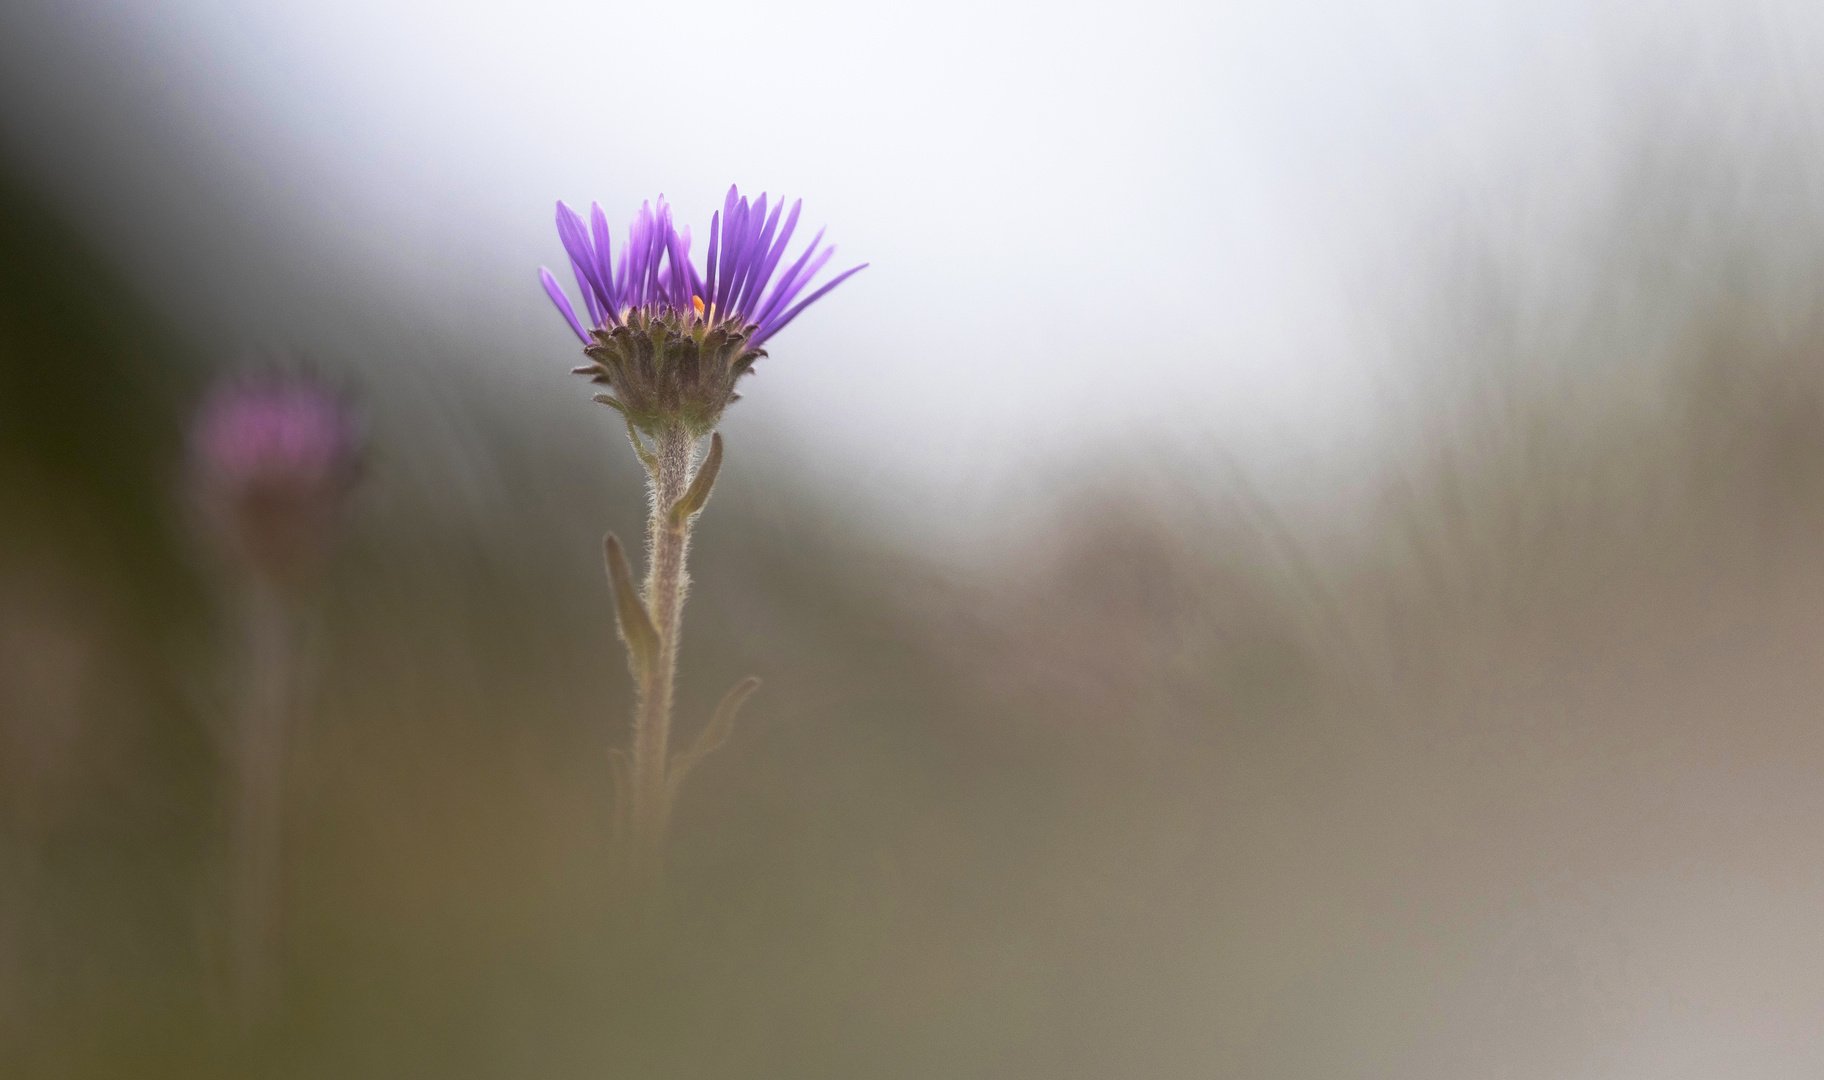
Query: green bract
(665, 371)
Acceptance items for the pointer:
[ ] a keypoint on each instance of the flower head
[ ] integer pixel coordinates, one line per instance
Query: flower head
(275, 457)
(671, 341)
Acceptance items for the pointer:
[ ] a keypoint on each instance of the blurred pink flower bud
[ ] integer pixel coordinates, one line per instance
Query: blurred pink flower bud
(275, 458)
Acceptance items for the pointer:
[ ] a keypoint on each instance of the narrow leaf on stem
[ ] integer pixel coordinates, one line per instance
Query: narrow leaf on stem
(635, 624)
(698, 493)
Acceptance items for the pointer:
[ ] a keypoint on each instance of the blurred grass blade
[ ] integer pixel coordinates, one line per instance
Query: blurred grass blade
(712, 737)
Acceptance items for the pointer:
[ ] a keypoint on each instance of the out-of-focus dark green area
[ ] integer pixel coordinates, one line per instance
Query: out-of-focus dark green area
(1514, 768)
(104, 776)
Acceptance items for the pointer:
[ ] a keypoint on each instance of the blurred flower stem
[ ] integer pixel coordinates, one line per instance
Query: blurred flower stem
(275, 456)
(271, 633)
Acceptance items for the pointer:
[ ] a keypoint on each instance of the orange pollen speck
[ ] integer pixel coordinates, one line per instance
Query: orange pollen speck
(697, 303)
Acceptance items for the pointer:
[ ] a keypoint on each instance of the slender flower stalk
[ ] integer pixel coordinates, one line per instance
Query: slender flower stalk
(271, 637)
(275, 458)
(670, 342)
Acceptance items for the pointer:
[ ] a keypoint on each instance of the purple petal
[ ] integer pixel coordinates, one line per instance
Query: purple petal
(639, 250)
(679, 278)
(801, 280)
(769, 331)
(582, 285)
(655, 249)
(734, 245)
(709, 270)
(732, 217)
(696, 281)
(556, 293)
(754, 225)
(767, 267)
(604, 264)
(582, 258)
(661, 245)
(756, 277)
(688, 279)
(760, 233)
(795, 279)
(785, 237)
(576, 239)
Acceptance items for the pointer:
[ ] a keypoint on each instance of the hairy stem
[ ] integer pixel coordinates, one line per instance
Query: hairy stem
(666, 582)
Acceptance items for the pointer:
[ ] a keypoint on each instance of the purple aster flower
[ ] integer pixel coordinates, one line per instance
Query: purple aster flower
(671, 341)
(275, 457)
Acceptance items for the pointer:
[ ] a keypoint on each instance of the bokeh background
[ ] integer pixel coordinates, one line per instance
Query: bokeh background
(1301, 557)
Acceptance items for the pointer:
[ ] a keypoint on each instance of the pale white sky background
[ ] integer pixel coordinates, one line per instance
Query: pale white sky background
(1080, 218)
